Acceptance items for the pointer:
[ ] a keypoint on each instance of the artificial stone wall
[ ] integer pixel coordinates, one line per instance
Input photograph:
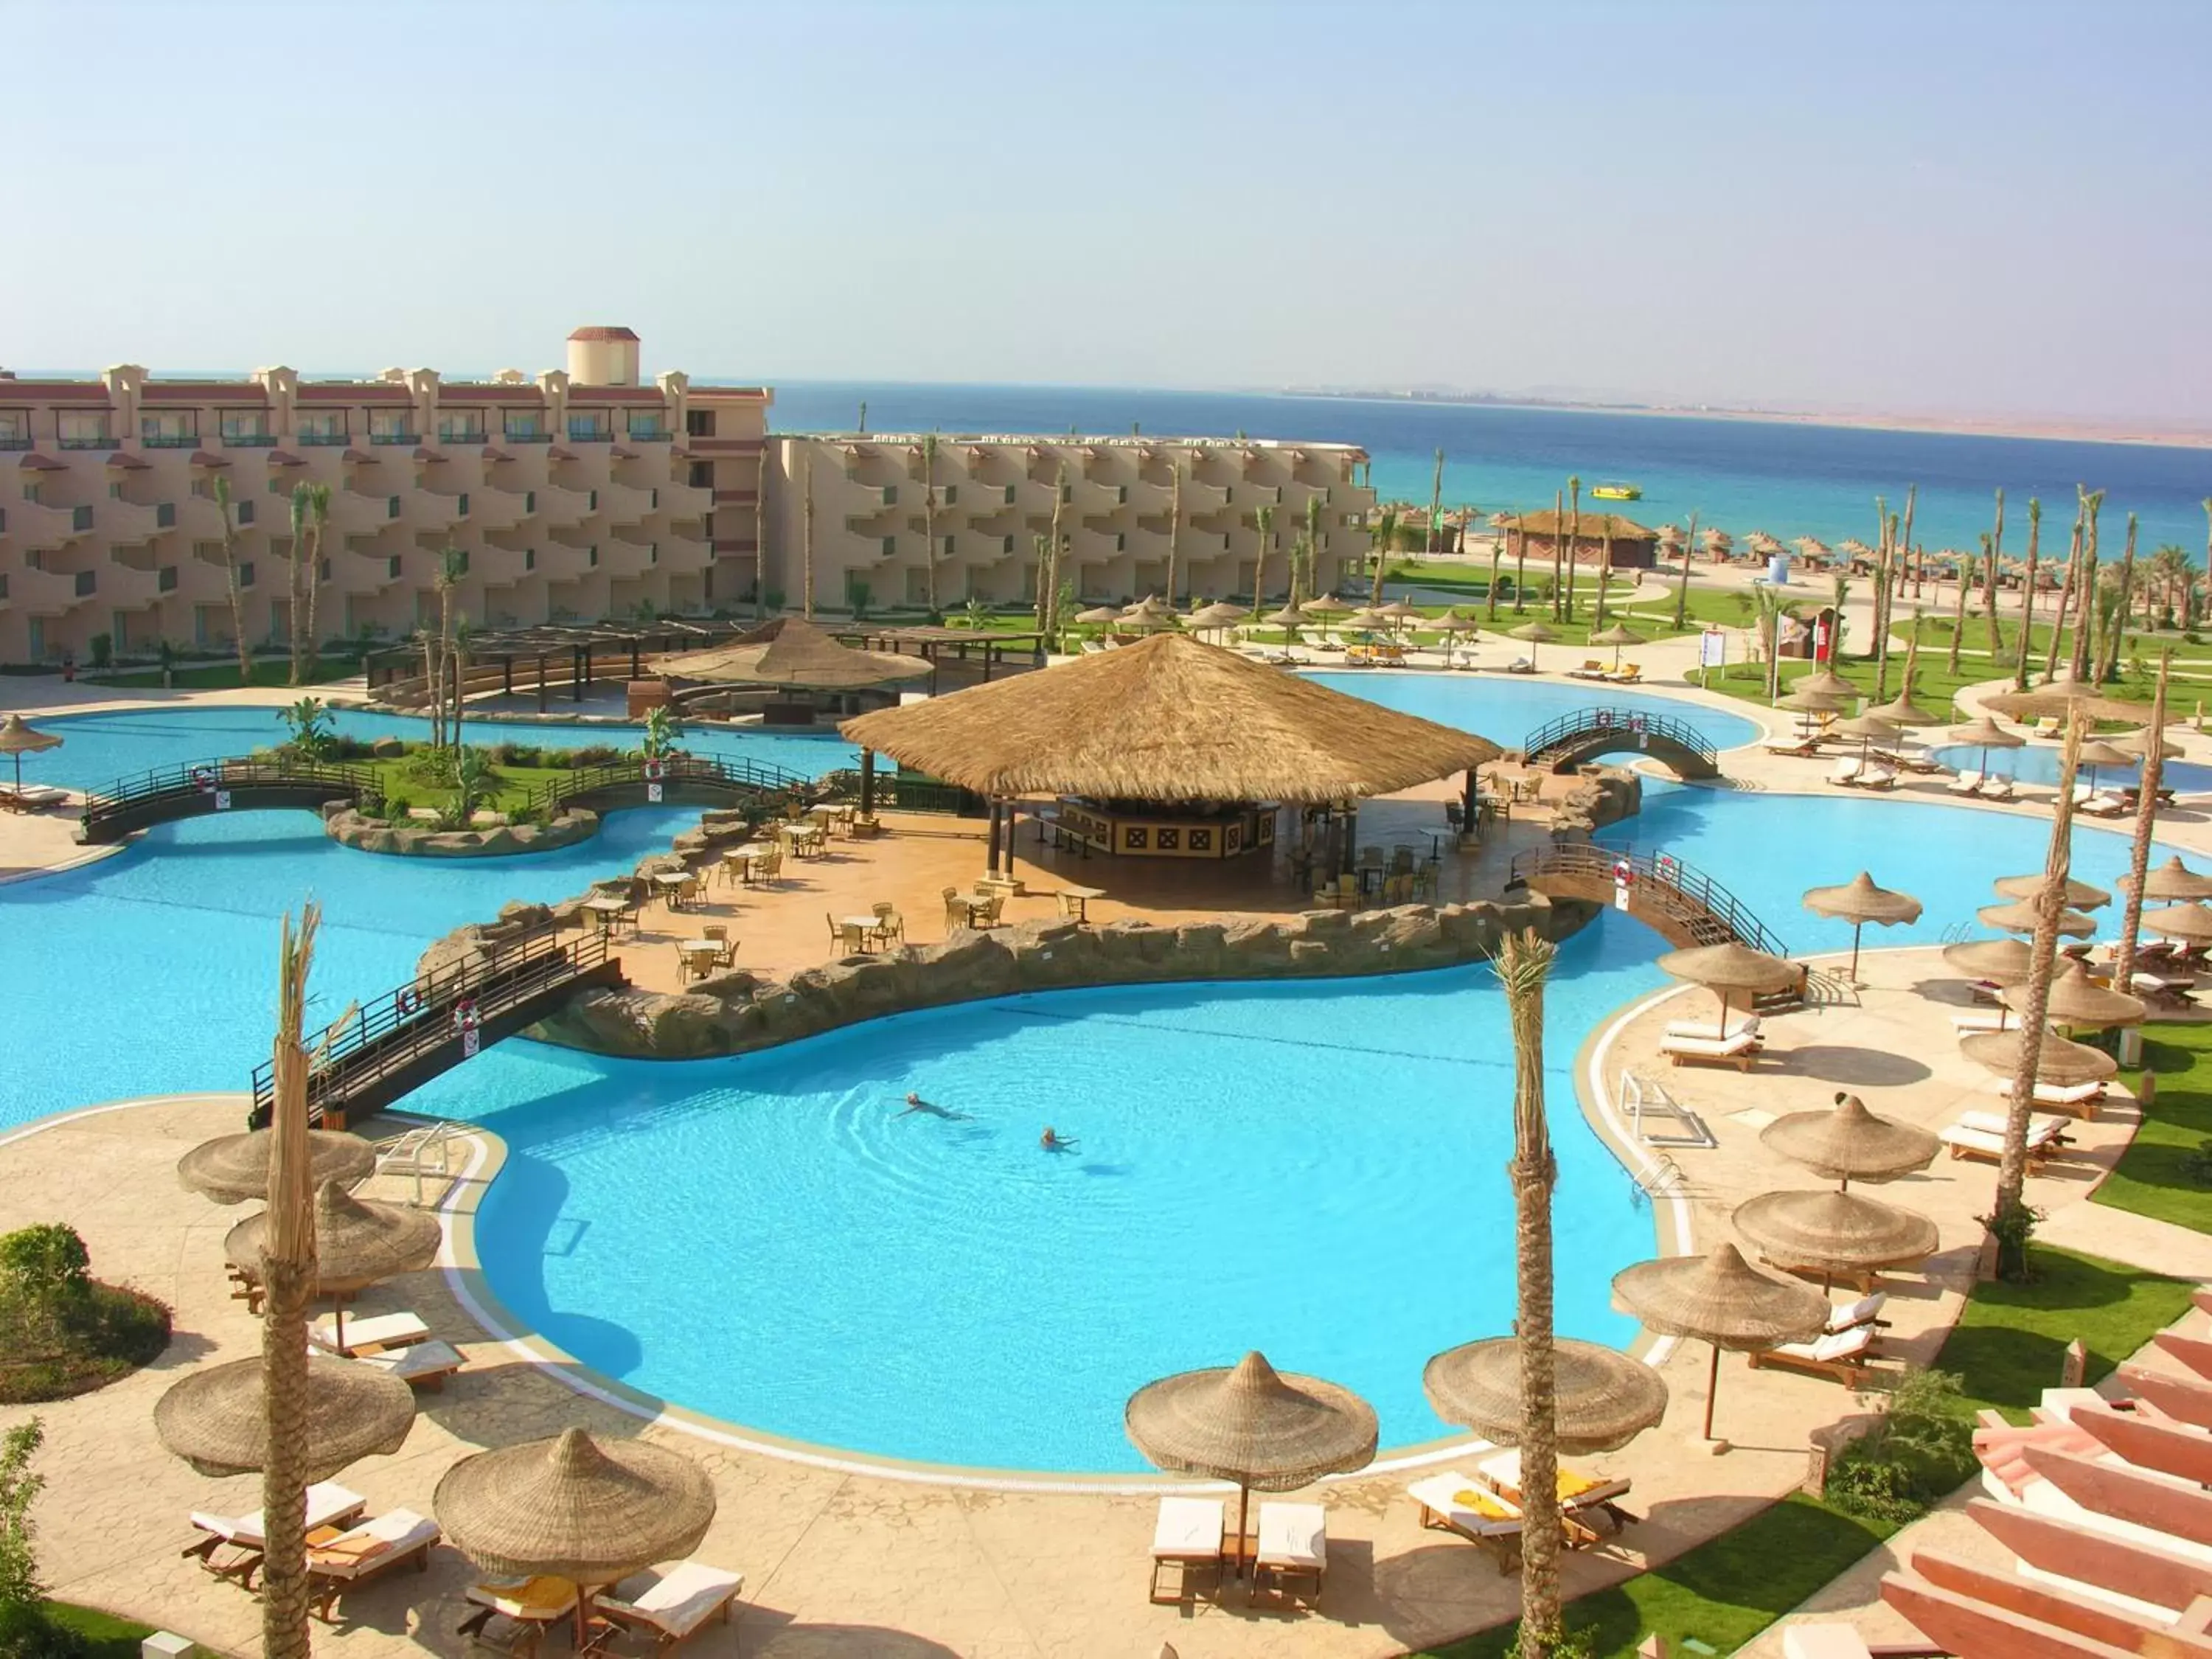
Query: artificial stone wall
(342, 824)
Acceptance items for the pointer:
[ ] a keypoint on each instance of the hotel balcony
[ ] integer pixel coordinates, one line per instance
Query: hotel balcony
(557, 506)
(39, 593)
(127, 522)
(686, 504)
(1094, 499)
(131, 580)
(561, 562)
(363, 573)
(625, 503)
(493, 509)
(1199, 498)
(356, 513)
(33, 524)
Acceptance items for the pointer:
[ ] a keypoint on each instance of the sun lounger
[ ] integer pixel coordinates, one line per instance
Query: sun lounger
(2103, 804)
(2079, 1099)
(1971, 1025)
(1187, 1537)
(670, 1604)
(230, 1546)
(1587, 1500)
(423, 1365)
(1967, 1138)
(1995, 788)
(1966, 783)
(1628, 674)
(1520, 666)
(397, 1539)
(1802, 748)
(2047, 726)
(1452, 1503)
(1738, 1051)
(1850, 1315)
(31, 798)
(531, 1605)
(1877, 777)
(377, 1331)
(1293, 1546)
(1746, 1026)
(2043, 1128)
(1847, 770)
(1844, 1357)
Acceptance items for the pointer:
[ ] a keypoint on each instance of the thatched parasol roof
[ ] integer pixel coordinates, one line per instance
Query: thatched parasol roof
(2171, 880)
(2000, 960)
(2078, 1000)
(2136, 743)
(1098, 614)
(1288, 616)
(1534, 632)
(793, 653)
(2189, 923)
(16, 738)
(1834, 1233)
(217, 1420)
(1854, 546)
(232, 1169)
(1729, 967)
(2095, 751)
(1859, 900)
(1825, 682)
(1619, 634)
(1327, 605)
(1814, 702)
(2079, 894)
(2020, 917)
(1219, 614)
(1720, 1298)
(357, 1242)
(1602, 1397)
(2060, 699)
(1595, 526)
(1168, 720)
(1901, 710)
(2058, 1060)
(573, 1507)
(1253, 1425)
(1870, 727)
(1452, 623)
(1986, 734)
(1850, 1143)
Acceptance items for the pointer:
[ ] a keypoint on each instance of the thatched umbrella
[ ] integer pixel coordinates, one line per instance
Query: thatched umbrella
(1901, 710)
(2020, 917)
(1859, 901)
(1813, 547)
(1267, 1430)
(1986, 734)
(792, 653)
(1288, 617)
(1397, 610)
(1727, 969)
(1367, 617)
(1450, 624)
(592, 1511)
(2096, 752)
(1720, 1299)
(1825, 682)
(358, 1243)
(2063, 700)
(1869, 729)
(2080, 895)
(1170, 718)
(2078, 1001)
(1618, 635)
(1099, 616)
(2136, 743)
(2058, 1061)
(2000, 960)
(1327, 605)
(1536, 633)
(217, 1419)
(19, 739)
(232, 1169)
(1834, 1233)
(2189, 923)
(2171, 880)
(1219, 614)
(1151, 605)
(1602, 1398)
(1854, 546)
(1850, 1143)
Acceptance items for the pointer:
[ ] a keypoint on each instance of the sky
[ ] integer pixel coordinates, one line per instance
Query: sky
(1940, 206)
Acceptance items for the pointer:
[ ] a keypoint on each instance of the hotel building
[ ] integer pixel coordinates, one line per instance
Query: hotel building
(585, 494)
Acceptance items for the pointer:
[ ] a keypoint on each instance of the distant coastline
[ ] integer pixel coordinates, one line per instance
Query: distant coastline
(2054, 429)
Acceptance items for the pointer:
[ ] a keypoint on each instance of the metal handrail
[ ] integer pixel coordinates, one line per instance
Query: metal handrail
(195, 776)
(1566, 731)
(1656, 873)
(423, 1015)
(764, 776)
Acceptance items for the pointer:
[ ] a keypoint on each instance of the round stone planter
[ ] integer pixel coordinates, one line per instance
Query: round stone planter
(347, 827)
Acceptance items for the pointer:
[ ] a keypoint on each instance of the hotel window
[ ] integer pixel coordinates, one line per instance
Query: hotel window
(245, 573)
(80, 430)
(890, 546)
(645, 425)
(702, 474)
(530, 558)
(250, 428)
(322, 430)
(952, 495)
(948, 547)
(1007, 545)
(1009, 494)
(170, 429)
(460, 428)
(653, 553)
(246, 512)
(15, 428)
(523, 426)
(699, 422)
(593, 429)
(391, 426)
(1121, 541)
(593, 558)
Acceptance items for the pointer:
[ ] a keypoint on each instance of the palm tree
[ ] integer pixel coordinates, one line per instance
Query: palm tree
(295, 587)
(433, 694)
(2170, 574)
(2066, 587)
(1385, 536)
(1312, 588)
(319, 518)
(1604, 569)
(2027, 599)
(1562, 599)
(1175, 522)
(929, 518)
(1434, 542)
(1885, 563)
(463, 635)
(1769, 600)
(238, 594)
(1989, 585)
(452, 564)
(1041, 547)
(807, 531)
(1682, 585)
(1496, 554)
(2092, 501)
(1059, 494)
(1523, 960)
(1264, 520)
(1520, 564)
(1904, 547)
(2124, 957)
(1961, 568)
(288, 1279)
(2108, 664)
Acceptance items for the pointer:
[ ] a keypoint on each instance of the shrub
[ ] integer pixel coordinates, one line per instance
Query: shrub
(27, 1632)
(397, 807)
(596, 754)
(1922, 1448)
(2198, 1165)
(517, 754)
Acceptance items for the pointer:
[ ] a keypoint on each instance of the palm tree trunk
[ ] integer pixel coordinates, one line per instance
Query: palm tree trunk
(238, 594)
(806, 529)
(1990, 586)
(1884, 562)
(1264, 523)
(2085, 628)
(2109, 665)
(1520, 564)
(1174, 525)
(2153, 768)
(2066, 594)
(1558, 535)
(1434, 540)
(1059, 545)
(2010, 1213)
(318, 519)
(1523, 960)
(289, 1282)
(1574, 549)
(1682, 586)
(929, 518)
(445, 651)
(1496, 555)
(1964, 573)
(1904, 547)
(430, 692)
(1604, 573)
(2027, 594)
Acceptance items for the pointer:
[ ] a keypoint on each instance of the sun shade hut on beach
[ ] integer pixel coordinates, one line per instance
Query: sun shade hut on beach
(233, 1168)
(1722, 1300)
(2080, 895)
(793, 656)
(358, 1243)
(2059, 1061)
(1725, 969)
(592, 1511)
(2171, 880)
(1267, 1430)
(1169, 734)
(1602, 1398)
(1859, 901)
(18, 739)
(2020, 917)
(217, 1419)
(1831, 1233)
(2078, 1002)
(1850, 1143)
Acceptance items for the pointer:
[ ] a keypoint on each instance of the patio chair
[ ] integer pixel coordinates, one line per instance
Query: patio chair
(1293, 1547)
(1593, 668)
(1877, 777)
(726, 951)
(1744, 1025)
(1998, 787)
(1844, 1358)
(1738, 1051)
(2076, 1099)
(668, 1604)
(1451, 1503)
(230, 1546)
(1966, 783)
(890, 926)
(1630, 674)
(531, 1606)
(1587, 1500)
(959, 909)
(984, 912)
(1187, 1536)
(393, 1539)
(379, 1332)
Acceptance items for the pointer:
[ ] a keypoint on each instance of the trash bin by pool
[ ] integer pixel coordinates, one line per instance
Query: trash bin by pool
(1778, 570)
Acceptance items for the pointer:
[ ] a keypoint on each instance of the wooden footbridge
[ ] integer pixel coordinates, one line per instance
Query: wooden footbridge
(1683, 905)
(1576, 738)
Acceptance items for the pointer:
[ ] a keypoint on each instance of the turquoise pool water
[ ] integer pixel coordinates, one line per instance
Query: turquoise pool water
(1506, 711)
(2038, 763)
(1315, 1170)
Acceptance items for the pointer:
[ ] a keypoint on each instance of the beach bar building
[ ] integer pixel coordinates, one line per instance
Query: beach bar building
(1634, 546)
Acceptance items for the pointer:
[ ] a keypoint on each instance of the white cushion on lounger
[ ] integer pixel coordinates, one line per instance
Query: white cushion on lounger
(1503, 1468)
(1746, 1026)
(1972, 1140)
(1843, 1345)
(1850, 1316)
(1967, 1024)
(1965, 784)
(391, 1330)
(2041, 1126)
(2050, 1094)
(416, 1359)
(1740, 1042)
(328, 1503)
(677, 1601)
(1293, 1535)
(1440, 1494)
(368, 1545)
(36, 795)
(1188, 1528)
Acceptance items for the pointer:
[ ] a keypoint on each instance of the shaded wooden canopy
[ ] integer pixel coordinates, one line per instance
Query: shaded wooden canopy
(792, 653)
(1591, 527)
(1170, 718)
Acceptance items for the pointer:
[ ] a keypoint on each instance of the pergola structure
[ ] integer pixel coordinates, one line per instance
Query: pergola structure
(582, 646)
(1167, 749)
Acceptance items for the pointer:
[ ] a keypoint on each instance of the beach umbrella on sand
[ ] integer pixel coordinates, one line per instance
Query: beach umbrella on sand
(1617, 636)
(1720, 1299)
(1099, 616)
(1850, 1143)
(358, 1243)
(1812, 547)
(1986, 734)
(2080, 895)
(217, 1419)
(592, 1511)
(1536, 633)
(1832, 1233)
(2171, 880)
(1266, 1430)
(1327, 605)
(1901, 710)
(1727, 969)
(232, 1169)
(1825, 682)
(2078, 1002)
(1854, 546)
(1221, 614)
(1859, 901)
(2058, 1061)
(1450, 624)
(1602, 1397)
(1288, 616)
(17, 739)
(2189, 923)
(2019, 917)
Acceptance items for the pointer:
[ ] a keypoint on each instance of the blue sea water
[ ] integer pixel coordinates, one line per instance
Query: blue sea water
(1788, 478)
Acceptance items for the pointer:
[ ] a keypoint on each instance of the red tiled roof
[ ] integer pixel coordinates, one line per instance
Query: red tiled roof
(523, 393)
(616, 394)
(601, 331)
(360, 456)
(54, 391)
(284, 457)
(201, 392)
(356, 392)
(35, 462)
(126, 460)
(204, 458)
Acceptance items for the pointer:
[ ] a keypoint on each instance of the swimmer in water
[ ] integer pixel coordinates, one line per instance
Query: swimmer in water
(1053, 1142)
(916, 1103)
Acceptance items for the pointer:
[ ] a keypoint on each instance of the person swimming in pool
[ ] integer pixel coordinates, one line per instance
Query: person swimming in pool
(1053, 1141)
(916, 1103)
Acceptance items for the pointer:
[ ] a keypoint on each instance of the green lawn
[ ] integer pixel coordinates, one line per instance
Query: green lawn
(1935, 631)
(515, 783)
(1933, 686)
(2007, 1349)
(2154, 1176)
(223, 676)
(111, 1638)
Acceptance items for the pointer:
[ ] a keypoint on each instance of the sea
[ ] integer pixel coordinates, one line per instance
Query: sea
(1788, 478)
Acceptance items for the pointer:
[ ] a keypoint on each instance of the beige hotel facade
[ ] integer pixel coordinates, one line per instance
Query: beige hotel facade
(583, 493)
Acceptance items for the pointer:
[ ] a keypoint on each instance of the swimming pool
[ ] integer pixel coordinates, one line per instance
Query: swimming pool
(1312, 1168)
(1506, 711)
(2038, 763)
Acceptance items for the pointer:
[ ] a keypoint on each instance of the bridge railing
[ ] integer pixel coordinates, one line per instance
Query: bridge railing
(760, 776)
(905, 792)
(232, 772)
(424, 1014)
(1657, 874)
(1569, 730)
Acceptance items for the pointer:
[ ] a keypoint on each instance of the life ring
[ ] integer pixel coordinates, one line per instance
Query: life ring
(202, 777)
(464, 1016)
(408, 1001)
(1624, 874)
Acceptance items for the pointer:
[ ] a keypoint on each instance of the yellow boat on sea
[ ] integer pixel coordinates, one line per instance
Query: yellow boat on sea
(1617, 492)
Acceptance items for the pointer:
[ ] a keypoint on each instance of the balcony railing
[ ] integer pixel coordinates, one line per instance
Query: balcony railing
(395, 437)
(92, 443)
(591, 435)
(528, 438)
(652, 435)
(171, 440)
(250, 440)
(465, 435)
(10, 440)
(324, 440)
